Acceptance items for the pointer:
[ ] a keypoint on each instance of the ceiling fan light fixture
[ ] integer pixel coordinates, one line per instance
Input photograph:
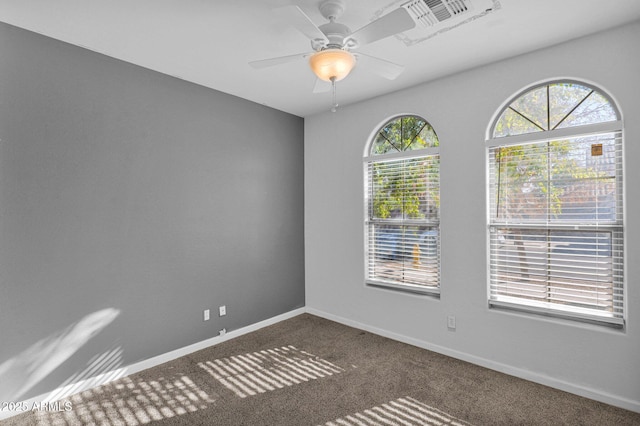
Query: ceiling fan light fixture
(332, 64)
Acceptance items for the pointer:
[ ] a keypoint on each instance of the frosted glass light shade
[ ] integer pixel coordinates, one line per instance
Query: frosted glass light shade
(332, 64)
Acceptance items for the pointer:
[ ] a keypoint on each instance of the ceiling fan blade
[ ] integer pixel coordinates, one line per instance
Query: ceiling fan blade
(321, 86)
(390, 24)
(383, 68)
(264, 63)
(298, 19)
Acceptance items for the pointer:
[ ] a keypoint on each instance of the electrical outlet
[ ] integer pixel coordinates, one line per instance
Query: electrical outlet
(223, 310)
(223, 332)
(451, 322)
(206, 315)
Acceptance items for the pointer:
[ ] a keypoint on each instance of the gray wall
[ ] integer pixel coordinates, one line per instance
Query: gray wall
(590, 359)
(130, 201)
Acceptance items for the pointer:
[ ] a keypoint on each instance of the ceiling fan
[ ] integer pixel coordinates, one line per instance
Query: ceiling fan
(332, 58)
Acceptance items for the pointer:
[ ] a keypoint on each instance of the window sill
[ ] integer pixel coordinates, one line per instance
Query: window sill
(616, 323)
(407, 288)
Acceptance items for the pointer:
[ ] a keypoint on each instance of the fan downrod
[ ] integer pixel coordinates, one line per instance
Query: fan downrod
(332, 9)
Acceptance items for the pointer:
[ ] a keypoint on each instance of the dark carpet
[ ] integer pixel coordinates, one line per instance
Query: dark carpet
(311, 371)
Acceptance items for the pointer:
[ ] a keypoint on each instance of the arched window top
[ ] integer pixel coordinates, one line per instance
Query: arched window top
(552, 106)
(406, 133)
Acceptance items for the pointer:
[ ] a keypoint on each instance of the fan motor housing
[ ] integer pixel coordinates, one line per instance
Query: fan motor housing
(336, 33)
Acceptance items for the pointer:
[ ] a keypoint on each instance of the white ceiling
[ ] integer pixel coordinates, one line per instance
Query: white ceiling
(210, 42)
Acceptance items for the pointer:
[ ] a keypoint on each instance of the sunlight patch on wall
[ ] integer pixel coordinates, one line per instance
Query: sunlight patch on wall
(400, 412)
(267, 370)
(131, 402)
(20, 373)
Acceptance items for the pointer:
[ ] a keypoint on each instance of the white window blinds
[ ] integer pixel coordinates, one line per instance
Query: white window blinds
(403, 223)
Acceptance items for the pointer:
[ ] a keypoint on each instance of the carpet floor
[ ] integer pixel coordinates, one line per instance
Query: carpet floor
(312, 371)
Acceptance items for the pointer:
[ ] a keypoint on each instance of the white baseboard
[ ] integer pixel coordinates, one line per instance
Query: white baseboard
(83, 385)
(542, 379)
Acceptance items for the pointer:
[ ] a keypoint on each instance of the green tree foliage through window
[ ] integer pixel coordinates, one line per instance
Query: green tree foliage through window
(401, 188)
(404, 134)
(544, 178)
(554, 106)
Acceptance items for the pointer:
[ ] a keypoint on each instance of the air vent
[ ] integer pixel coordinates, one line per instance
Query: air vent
(432, 12)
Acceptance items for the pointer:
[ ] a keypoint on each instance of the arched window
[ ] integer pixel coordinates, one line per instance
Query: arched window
(402, 196)
(556, 204)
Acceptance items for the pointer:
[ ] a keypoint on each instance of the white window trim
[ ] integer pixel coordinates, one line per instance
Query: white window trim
(404, 155)
(539, 307)
(550, 135)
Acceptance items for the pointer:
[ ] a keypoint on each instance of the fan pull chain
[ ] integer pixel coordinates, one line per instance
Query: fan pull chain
(334, 107)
